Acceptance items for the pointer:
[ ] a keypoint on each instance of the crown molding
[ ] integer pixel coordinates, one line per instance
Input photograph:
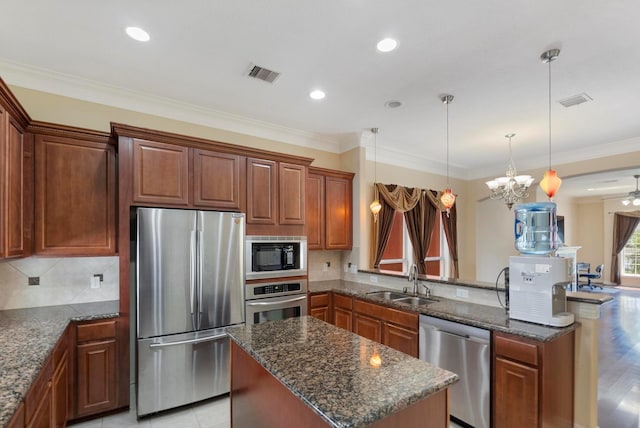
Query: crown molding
(91, 91)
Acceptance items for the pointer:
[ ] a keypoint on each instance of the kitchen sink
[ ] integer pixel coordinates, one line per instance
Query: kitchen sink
(403, 298)
(387, 295)
(414, 300)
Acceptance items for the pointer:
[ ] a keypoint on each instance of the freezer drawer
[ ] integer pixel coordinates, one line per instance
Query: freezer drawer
(181, 369)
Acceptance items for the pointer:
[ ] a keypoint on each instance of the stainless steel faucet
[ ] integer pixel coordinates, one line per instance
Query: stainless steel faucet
(413, 276)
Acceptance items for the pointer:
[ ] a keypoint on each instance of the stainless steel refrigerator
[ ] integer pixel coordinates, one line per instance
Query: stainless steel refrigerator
(190, 284)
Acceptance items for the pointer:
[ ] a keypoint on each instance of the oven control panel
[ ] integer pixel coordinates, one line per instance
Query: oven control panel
(277, 288)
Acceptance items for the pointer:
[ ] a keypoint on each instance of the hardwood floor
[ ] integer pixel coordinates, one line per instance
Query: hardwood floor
(619, 362)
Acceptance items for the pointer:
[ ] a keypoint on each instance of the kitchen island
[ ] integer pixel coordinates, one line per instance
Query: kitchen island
(305, 372)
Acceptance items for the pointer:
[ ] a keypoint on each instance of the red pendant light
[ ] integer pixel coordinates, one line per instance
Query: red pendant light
(551, 182)
(447, 198)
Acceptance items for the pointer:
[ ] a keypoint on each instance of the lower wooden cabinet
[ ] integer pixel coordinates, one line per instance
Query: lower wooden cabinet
(404, 339)
(17, 420)
(96, 368)
(368, 327)
(533, 382)
(319, 306)
(342, 311)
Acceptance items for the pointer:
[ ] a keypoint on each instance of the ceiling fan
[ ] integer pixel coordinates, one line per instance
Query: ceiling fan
(633, 197)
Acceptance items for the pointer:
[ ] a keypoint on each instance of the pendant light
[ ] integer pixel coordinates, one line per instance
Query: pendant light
(447, 198)
(551, 182)
(375, 206)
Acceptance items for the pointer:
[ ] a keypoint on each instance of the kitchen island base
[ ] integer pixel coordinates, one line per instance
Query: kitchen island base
(259, 400)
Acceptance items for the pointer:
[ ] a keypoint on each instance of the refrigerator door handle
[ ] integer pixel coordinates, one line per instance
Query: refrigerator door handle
(200, 270)
(258, 303)
(194, 341)
(192, 280)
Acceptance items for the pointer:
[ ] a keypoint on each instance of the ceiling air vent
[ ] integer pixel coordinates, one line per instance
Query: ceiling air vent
(575, 100)
(262, 73)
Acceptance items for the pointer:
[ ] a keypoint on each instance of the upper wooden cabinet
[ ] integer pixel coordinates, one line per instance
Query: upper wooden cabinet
(160, 173)
(75, 185)
(16, 178)
(329, 207)
(275, 197)
(218, 180)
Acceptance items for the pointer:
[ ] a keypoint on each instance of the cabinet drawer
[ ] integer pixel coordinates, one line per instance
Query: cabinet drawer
(316, 300)
(405, 319)
(340, 301)
(96, 331)
(515, 348)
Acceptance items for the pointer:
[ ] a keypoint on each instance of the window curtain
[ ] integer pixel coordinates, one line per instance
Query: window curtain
(624, 224)
(420, 208)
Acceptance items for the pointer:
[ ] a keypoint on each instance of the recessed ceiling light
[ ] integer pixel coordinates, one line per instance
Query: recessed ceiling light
(317, 94)
(138, 34)
(393, 104)
(387, 45)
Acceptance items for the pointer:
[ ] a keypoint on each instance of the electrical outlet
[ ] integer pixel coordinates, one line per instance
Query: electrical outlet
(325, 266)
(461, 292)
(99, 275)
(346, 268)
(373, 279)
(34, 280)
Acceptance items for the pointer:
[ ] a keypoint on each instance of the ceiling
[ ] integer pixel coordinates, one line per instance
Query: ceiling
(484, 53)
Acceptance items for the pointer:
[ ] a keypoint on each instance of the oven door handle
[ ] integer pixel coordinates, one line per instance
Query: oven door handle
(276, 303)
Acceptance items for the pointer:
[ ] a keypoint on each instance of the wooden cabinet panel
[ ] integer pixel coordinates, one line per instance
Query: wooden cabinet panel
(338, 228)
(41, 415)
(329, 209)
(315, 212)
(75, 197)
(15, 188)
(291, 193)
(518, 385)
(400, 338)
(261, 191)
(342, 318)
(218, 180)
(368, 327)
(60, 392)
(96, 380)
(319, 306)
(96, 331)
(320, 313)
(160, 173)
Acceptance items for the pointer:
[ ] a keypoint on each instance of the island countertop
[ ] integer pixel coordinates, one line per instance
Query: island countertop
(331, 371)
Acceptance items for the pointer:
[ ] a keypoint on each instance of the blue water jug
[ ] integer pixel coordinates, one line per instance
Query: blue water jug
(536, 228)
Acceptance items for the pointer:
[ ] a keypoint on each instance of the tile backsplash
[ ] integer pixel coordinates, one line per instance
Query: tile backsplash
(63, 281)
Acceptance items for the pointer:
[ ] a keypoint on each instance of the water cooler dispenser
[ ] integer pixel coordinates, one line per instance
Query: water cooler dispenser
(537, 279)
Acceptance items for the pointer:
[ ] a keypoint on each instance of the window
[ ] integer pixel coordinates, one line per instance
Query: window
(398, 255)
(631, 255)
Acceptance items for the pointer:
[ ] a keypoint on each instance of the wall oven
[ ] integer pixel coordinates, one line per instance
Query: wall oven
(275, 256)
(269, 301)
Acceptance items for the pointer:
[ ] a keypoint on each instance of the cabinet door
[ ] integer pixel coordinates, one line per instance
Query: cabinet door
(291, 194)
(261, 191)
(60, 393)
(15, 170)
(160, 173)
(338, 200)
(96, 377)
(17, 420)
(315, 212)
(217, 180)
(321, 313)
(75, 197)
(515, 395)
(342, 318)
(400, 338)
(41, 416)
(368, 327)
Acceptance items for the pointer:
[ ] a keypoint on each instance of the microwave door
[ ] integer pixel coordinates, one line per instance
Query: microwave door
(220, 269)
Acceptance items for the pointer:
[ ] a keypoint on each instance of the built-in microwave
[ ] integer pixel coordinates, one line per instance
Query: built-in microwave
(275, 256)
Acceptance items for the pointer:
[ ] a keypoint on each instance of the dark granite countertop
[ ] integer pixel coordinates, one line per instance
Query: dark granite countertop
(482, 316)
(342, 386)
(27, 337)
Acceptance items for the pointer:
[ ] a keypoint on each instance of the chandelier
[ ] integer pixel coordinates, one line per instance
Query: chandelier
(513, 187)
(633, 197)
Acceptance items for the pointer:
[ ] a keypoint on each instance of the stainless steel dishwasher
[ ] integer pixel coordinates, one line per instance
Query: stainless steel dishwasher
(465, 351)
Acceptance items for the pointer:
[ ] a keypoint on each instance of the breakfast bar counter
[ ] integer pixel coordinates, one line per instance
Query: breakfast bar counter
(331, 377)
